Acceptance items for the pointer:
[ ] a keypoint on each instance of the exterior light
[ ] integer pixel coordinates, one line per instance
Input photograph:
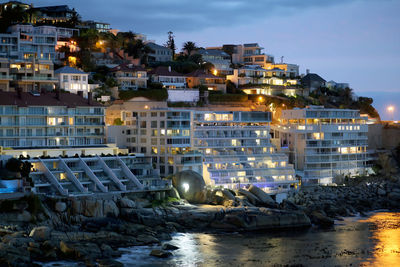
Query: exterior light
(146, 107)
(185, 187)
(215, 72)
(391, 109)
(260, 99)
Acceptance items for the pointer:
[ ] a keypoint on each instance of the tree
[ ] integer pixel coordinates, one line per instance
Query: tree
(13, 165)
(189, 47)
(12, 16)
(230, 50)
(171, 43)
(75, 19)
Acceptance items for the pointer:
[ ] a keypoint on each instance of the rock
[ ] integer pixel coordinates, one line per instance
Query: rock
(60, 206)
(251, 197)
(174, 193)
(228, 203)
(381, 192)
(262, 196)
(168, 246)
(394, 196)
(110, 208)
(160, 253)
(108, 263)
(289, 205)
(142, 203)
(190, 185)
(16, 217)
(318, 218)
(227, 195)
(126, 203)
(67, 248)
(92, 207)
(147, 239)
(40, 233)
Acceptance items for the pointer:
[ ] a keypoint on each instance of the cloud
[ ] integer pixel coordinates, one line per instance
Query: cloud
(160, 16)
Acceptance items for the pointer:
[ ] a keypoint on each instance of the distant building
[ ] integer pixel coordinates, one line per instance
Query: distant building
(159, 54)
(13, 4)
(50, 120)
(98, 26)
(53, 14)
(129, 76)
(218, 58)
(200, 77)
(29, 75)
(312, 81)
(324, 143)
(250, 54)
(290, 70)
(169, 78)
(334, 85)
(74, 80)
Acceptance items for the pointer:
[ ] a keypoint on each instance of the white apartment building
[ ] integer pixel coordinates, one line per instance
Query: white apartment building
(253, 79)
(49, 119)
(323, 143)
(73, 80)
(230, 148)
(169, 78)
(159, 53)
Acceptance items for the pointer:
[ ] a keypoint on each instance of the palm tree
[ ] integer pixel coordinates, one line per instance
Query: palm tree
(189, 47)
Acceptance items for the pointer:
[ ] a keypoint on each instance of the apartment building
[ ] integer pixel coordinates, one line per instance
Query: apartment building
(289, 70)
(35, 42)
(253, 79)
(218, 58)
(249, 54)
(230, 148)
(159, 53)
(169, 78)
(200, 77)
(73, 80)
(323, 143)
(129, 76)
(49, 119)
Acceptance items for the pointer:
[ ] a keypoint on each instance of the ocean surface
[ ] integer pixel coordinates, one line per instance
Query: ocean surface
(357, 241)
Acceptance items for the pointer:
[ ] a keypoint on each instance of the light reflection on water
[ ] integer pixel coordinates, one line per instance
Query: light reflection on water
(367, 242)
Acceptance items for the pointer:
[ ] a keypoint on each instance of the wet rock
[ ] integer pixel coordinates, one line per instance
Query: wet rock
(318, 218)
(168, 246)
(40, 233)
(250, 196)
(147, 239)
(110, 208)
(60, 206)
(394, 196)
(190, 185)
(262, 196)
(127, 203)
(108, 263)
(142, 203)
(160, 253)
(381, 192)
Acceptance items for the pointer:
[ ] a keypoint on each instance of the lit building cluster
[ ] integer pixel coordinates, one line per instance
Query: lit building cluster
(324, 143)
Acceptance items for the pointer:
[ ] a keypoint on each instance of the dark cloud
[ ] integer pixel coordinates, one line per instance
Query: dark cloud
(160, 16)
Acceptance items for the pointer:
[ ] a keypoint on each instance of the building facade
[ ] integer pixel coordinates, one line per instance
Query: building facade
(169, 78)
(159, 53)
(51, 119)
(129, 76)
(230, 148)
(73, 80)
(199, 77)
(220, 60)
(324, 143)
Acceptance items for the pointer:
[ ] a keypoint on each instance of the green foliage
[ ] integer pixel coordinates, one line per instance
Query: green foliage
(118, 122)
(189, 47)
(171, 43)
(152, 94)
(227, 98)
(231, 87)
(179, 104)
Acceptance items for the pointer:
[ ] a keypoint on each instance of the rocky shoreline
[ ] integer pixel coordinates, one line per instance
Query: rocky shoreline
(90, 229)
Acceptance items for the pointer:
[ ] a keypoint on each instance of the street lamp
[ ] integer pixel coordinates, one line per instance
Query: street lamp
(390, 109)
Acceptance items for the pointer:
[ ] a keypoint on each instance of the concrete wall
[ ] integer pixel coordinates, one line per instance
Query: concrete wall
(186, 95)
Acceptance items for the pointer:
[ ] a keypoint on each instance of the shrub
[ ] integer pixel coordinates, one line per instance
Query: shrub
(152, 94)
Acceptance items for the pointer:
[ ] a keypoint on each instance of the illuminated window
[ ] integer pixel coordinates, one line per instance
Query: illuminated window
(301, 127)
(71, 121)
(51, 121)
(234, 142)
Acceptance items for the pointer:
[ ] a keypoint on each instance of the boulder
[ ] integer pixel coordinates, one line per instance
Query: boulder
(318, 218)
(381, 192)
(160, 253)
(190, 185)
(227, 195)
(168, 246)
(142, 203)
(60, 206)
(40, 233)
(126, 203)
(110, 208)
(250, 197)
(262, 196)
(92, 207)
(109, 263)
(394, 196)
